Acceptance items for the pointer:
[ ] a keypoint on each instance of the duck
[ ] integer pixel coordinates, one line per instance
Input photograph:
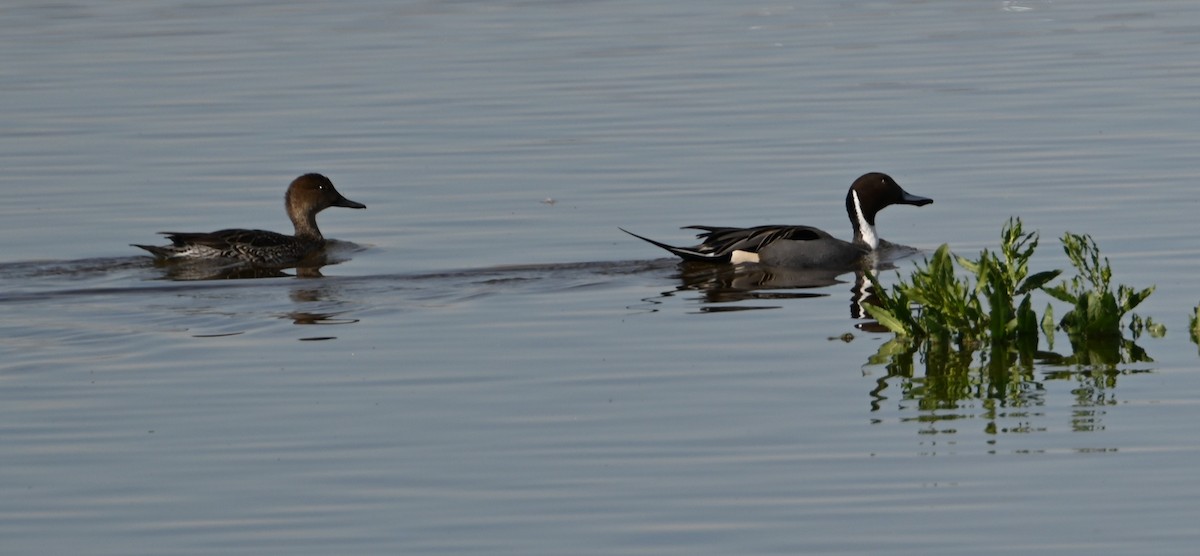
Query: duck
(306, 196)
(803, 247)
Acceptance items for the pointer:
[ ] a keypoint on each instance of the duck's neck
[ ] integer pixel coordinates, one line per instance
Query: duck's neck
(306, 228)
(864, 229)
(305, 221)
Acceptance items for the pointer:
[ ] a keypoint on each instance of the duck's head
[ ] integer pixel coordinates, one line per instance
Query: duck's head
(868, 195)
(309, 194)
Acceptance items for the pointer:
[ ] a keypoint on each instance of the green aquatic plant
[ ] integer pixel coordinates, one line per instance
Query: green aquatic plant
(965, 329)
(972, 312)
(1096, 310)
(1194, 325)
(988, 306)
(1003, 280)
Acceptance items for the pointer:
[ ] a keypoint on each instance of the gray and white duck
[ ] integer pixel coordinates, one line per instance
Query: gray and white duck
(803, 247)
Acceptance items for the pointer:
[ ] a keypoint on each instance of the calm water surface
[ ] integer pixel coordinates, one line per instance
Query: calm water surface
(493, 373)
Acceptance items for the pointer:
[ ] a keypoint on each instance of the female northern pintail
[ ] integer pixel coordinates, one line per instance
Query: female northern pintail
(803, 246)
(306, 196)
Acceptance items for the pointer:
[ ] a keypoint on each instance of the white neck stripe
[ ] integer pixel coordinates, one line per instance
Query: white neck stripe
(865, 229)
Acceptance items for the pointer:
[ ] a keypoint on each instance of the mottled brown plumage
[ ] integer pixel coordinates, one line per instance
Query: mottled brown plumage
(306, 196)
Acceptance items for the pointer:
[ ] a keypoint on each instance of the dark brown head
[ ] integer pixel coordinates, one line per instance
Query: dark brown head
(308, 195)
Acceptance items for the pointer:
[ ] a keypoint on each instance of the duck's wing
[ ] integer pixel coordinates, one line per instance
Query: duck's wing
(715, 239)
(718, 243)
(226, 239)
(253, 246)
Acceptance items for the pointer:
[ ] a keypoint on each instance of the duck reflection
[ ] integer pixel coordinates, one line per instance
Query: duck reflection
(733, 283)
(304, 317)
(324, 296)
(728, 285)
(185, 272)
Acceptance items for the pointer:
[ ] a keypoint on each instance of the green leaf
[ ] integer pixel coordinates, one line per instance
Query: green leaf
(1194, 325)
(1060, 293)
(1048, 325)
(1135, 299)
(1037, 280)
(887, 319)
(971, 266)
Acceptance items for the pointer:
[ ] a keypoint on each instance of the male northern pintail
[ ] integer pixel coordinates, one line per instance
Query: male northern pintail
(306, 196)
(802, 246)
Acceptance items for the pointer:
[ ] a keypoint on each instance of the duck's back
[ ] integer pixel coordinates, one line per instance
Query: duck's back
(724, 239)
(256, 246)
(782, 245)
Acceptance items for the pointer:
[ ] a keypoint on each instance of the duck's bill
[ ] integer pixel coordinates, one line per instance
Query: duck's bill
(910, 199)
(344, 202)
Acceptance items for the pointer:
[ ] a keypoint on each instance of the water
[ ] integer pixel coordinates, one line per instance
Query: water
(498, 374)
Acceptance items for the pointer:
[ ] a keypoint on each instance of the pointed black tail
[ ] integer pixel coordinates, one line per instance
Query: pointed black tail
(683, 253)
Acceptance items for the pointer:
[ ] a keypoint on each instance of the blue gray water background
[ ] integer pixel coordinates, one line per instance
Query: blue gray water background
(499, 369)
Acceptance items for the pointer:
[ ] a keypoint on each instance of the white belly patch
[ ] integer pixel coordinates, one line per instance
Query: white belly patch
(738, 257)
